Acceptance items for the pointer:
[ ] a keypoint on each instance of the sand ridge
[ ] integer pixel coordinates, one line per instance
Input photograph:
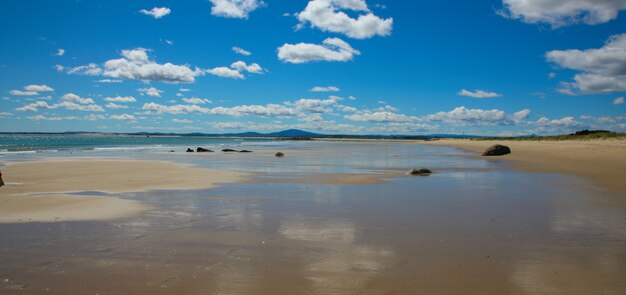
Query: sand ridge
(38, 191)
(602, 161)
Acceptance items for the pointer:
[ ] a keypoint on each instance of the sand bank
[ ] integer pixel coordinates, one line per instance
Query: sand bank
(38, 191)
(602, 161)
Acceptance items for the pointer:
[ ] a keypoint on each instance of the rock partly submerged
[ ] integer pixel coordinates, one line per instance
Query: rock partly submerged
(203, 150)
(245, 151)
(419, 171)
(189, 150)
(229, 151)
(497, 150)
(279, 155)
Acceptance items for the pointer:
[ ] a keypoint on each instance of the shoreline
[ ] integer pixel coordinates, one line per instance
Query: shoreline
(601, 161)
(49, 190)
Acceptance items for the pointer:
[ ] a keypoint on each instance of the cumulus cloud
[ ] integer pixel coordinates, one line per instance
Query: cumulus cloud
(602, 70)
(477, 117)
(195, 100)
(324, 89)
(327, 15)
(120, 99)
(156, 12)
(182, 121)
(123, 117)
(236, 70)
(115, 106)
(619, 101)
(331, 49)
(69, 101)
(241, 51)
(109, 81)
(269, 110)
(478, 93)
(53, 118)
(91, 69)
(226, 72)
(150, 91)
(23, 93)
(136, 65)
(234, 8)
(60, 52)
(563, 12)
(31, 90)
(380, 117)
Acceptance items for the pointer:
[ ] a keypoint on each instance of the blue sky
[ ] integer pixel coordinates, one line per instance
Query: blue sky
(503, 67)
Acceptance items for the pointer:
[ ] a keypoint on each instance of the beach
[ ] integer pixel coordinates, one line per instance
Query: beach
(40, 191)
(601, 161)
(328, 218)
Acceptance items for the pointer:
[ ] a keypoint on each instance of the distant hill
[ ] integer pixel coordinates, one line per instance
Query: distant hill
(293, 133)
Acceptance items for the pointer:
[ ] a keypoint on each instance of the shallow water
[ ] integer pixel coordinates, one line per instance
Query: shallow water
(473, 227)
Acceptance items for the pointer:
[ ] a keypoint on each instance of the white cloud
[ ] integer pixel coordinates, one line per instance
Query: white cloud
(182, 121)
(226, 72)
(23, 93)
(69, 101)
(156, 12)
(563, 12)
(602, 70)
(123, 117)
(91, 69)
(252, 68)
(109, 81)
(195, 100)
(120, 99)
(114, 106)
(269, 110)
(31, 90)
(477, 117)
(314, 105)
(150, 91)
(60, 52)
(184, 89)
(54, 118)
(324, 89)
(380, 117)
(241, 51)
(77, 99)
(332, 49)
(38, 88)
(351, 97)
(326, 15)
(234, 8)
(619, 101)
(136, 65)
(236, 69)
(478, 93)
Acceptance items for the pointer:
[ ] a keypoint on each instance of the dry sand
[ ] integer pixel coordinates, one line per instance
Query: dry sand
(602, 161)
(37, 191)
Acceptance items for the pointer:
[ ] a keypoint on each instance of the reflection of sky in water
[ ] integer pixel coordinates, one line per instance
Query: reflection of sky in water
(471, 218)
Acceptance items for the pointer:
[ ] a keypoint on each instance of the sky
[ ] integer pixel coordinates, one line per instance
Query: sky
(492, 67)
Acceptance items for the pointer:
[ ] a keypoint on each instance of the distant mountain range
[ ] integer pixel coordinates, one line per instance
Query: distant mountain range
(287, 134)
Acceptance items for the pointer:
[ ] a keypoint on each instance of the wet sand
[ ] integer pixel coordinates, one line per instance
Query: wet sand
(472, 227)
(602, 161)
(39, 191)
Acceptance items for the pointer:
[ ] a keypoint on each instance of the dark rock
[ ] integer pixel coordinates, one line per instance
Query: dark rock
(279, 155)
(245, 151)
(203, 150)
(419, 171)
(189, 150)
(229, 150)
(497, 150)
(1, 182)
(171, 151)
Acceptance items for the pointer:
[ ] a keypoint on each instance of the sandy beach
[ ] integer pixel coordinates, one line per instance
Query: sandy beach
(601, 161)
(38, 190)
